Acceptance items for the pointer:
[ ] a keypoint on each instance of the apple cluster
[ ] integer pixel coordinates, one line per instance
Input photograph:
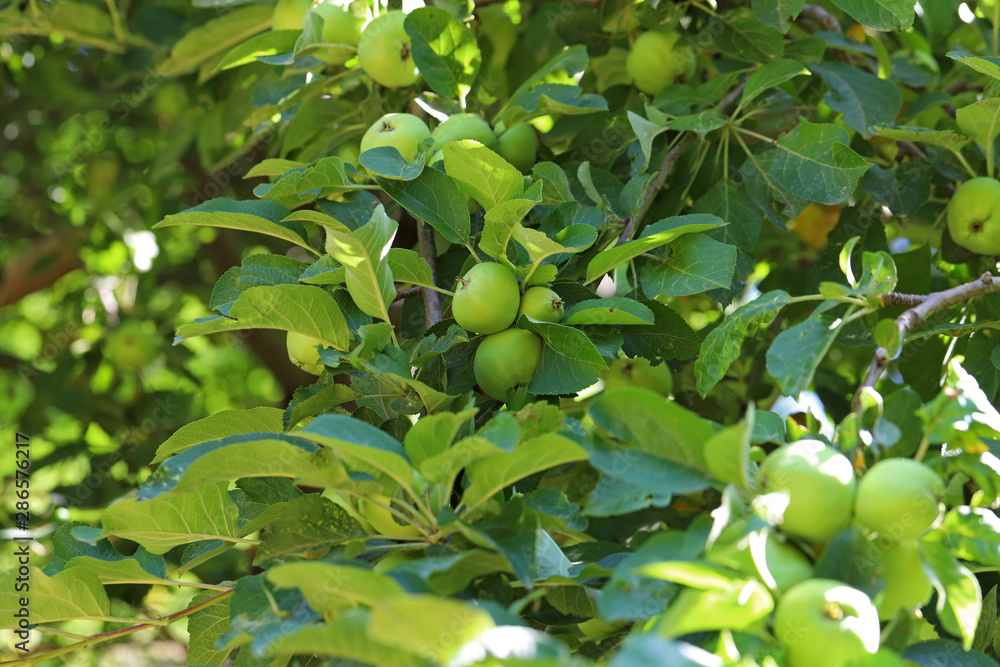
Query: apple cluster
(404, 132)
(813, 488)
(488, 301)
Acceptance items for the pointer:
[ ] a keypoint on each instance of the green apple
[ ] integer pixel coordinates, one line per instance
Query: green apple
(597, 629)
(974, 215)
(462, 126)
(825, 622)
(486, 299)
(906, 584)
(506, 359)
(341, 28)
(783, 563)
(541, 303)
(288, 14)
(519, 146)
(656, 60)
(818, 483)
(402, 131)
(303, 351)
(384, 51)
(899, 498)
(131, 346)
(638, 372)
(349, 153)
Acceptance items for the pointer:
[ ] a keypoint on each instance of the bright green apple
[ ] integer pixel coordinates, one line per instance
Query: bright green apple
(341, 28)
(384, 51)
(906, 584)
(638, 372)
(656, 60)
(462, 126)
(899, 498)
(303, 352)
(383, 520)
(974, 215)
(486, 298)
(541, 303)
(519, 146)
(825, 622)
(506, 359)
(131, 346)
(402, 131)
(288, 14)
(818, 483)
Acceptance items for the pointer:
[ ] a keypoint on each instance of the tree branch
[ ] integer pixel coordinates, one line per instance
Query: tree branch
(911, 319)
(432, 302)
(45, 263)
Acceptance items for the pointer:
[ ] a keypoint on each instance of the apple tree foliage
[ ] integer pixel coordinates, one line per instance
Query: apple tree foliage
(770, 225)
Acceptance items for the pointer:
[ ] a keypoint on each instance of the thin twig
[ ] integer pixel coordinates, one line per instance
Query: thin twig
(918, 314)
(407, 293)
(432, 302)
(900, 299)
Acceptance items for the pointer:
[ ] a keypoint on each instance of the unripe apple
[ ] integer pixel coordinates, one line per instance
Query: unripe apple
(486, 298)
(638, 372)
(825, 622)
(906, 584)
(303, 351)
(819, 484)
(974, 215)
(131, 346)
(462, 126)
(899, 498)
(403, 131)
(541, 303)
(384, 51)
(507, 359)
(519, 146)
(655, 60)
(384, 521)
(340, 27)
(288, 14)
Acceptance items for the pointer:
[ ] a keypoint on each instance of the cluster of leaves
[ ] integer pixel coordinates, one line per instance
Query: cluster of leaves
(551, 530)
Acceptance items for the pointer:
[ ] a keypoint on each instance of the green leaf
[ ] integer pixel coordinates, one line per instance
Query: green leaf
(569, 363)
(569, 240)
(491, 474)
(863, 98)
(944, 138)
(882, 15)
(810, 155)
(274, 167)
(646, 131)
(263, 217)
(887, 335)
(649, 649)
(307, 527)
(551, 98)
(110, 566)
(973, 534)
(389, 163)
(75, 594)
(262, 269)
(409, 267)
(934, 652)
(652, 424)
(670, 337)
(700, 123)
(796, 353)
(980, 120)
(204, 513)
(444, 50)
(659, 233)
(220, 425)
(205, 627)
(270, 43)
(729, 201)
(347, 637)
(406, 622)
(771, 75)
(612, 310)
(503, 223)
(959, 595)
(363, 254)
(307, 309)
(362, 446)
(240, 456)
(304, 186)
(215, 38)
(727, 454)
(736, 608)
(740, 35)
(481, 173)
(435, 199)
(723, 344)
(344, 586)
(433, 435)
(988, 65)
(694, 264)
